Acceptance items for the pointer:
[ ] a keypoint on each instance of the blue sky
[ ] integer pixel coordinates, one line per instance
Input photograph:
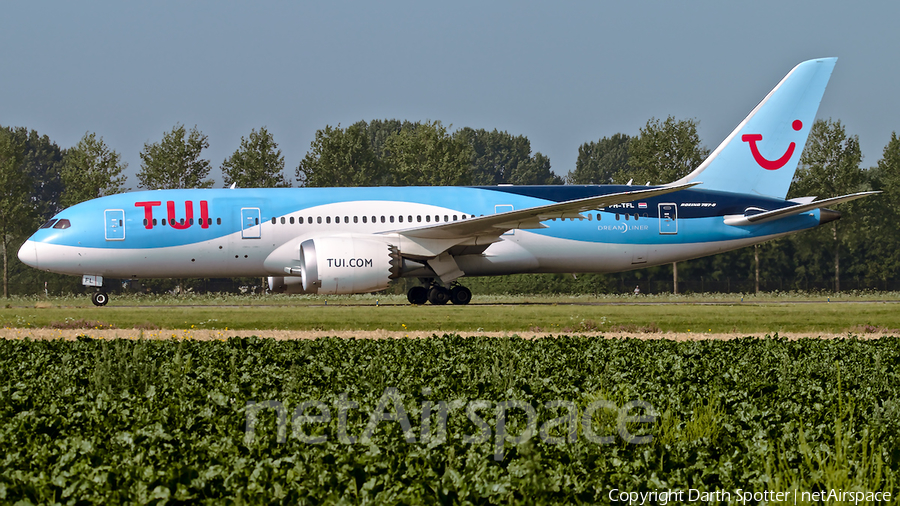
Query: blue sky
(560, 73)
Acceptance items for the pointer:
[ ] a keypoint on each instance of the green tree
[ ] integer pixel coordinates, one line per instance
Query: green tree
(829, 167)
(500, 158)
(378, 131)
(600, 162)
(882, 243)
(16, 207)
(175, 161)
(258, 163)
(40, 165)
(43, 161)
(339, 157)
(536, 170)
(665, 151)
(91, 170)
(427, 155)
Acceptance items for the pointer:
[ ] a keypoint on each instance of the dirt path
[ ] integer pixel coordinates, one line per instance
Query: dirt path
(203, 334)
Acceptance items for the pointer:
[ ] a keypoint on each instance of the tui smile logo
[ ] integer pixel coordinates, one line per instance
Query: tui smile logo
(765, 163)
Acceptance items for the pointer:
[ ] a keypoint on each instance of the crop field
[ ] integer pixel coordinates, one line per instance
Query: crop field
(457, 418)
(452, 420)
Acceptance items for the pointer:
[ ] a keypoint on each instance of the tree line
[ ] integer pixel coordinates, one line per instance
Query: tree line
(860, 251)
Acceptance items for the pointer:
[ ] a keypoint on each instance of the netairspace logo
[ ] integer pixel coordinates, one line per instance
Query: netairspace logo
(433, 429)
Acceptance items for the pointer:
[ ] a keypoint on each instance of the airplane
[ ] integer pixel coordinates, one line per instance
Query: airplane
(357, 240)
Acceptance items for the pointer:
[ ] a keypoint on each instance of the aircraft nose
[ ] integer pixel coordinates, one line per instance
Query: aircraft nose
(28, 254)
(827, 215)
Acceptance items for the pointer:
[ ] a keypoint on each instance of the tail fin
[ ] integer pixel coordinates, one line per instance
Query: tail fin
(760, 156)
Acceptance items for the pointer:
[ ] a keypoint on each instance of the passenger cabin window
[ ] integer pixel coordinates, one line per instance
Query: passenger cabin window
(63, 223)
(218, 221)
(50, 224)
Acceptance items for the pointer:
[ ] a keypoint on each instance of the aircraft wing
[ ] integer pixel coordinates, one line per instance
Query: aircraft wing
(531, 218)
(754, 219)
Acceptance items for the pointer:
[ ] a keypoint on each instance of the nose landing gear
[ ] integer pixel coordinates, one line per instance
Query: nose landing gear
(100, 298)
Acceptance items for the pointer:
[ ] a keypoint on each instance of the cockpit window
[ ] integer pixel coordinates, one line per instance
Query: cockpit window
(64, 223)
(49, 223)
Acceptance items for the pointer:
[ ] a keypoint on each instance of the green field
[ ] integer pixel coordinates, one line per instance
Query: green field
(709, 314)
(166, 421)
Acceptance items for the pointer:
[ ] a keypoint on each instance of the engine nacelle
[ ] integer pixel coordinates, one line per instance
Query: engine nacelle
(348, 264)
(289, 284)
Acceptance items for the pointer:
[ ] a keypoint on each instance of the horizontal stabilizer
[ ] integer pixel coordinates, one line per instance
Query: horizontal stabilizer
(741, 220)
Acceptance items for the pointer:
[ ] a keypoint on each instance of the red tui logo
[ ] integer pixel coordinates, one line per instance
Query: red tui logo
(765, 163)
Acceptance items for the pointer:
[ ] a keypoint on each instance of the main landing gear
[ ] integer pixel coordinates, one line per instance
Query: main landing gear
(438, 295)
(100, 298)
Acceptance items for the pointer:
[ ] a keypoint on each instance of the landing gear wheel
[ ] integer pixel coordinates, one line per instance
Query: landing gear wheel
(417, 295)
(438, 295)
(460, 295)
(100, 298)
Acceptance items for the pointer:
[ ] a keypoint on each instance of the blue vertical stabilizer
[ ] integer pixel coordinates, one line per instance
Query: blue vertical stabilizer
(760, 156)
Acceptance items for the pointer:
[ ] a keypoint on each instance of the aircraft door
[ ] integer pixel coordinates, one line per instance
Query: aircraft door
(668, 219)
(115, 224)
(250, 226)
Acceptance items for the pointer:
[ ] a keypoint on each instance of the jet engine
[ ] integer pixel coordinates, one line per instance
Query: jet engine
(342, 265)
